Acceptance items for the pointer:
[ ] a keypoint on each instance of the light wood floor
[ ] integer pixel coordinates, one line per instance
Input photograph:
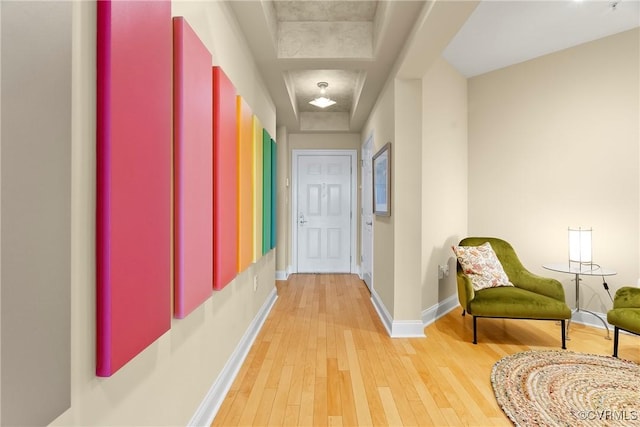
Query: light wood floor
(323, 358)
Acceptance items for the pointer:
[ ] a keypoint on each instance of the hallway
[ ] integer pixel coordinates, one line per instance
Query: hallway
(324, 358)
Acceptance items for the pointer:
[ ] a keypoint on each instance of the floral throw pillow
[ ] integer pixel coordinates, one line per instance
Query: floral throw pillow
(482, 266)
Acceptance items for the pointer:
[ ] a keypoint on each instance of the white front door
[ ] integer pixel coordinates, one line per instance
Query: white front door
(366, 246)
(323, 218)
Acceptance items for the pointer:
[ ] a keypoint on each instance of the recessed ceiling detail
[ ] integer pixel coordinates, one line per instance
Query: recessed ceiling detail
(325, 29)
(325, 40)
(352, 45)
(336, 11)
(341, 88)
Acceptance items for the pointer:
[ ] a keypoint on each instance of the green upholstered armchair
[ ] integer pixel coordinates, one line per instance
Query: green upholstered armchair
(531, 297)
(625, 314)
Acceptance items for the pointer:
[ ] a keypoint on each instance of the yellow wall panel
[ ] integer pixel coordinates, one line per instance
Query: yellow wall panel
(257, 185)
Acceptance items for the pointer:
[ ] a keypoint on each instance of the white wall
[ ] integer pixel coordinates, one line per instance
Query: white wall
(166, 383)
(554, 142)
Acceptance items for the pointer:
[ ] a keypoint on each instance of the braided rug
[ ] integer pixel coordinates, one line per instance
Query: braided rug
(564, 388)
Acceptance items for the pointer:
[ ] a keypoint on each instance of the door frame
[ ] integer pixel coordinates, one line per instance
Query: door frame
(295, 154)
(368, 144)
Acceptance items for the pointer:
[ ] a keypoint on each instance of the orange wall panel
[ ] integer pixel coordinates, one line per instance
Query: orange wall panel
(245, 185)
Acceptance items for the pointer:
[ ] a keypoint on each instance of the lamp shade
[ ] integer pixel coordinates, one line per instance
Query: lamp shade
(580, 245)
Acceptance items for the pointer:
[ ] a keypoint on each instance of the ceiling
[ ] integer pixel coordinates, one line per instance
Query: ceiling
(353, 45)
(503, 33)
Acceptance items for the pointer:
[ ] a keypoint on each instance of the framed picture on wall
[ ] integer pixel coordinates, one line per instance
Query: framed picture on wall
(382, 181)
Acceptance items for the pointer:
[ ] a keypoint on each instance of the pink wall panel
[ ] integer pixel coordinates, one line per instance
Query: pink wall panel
(225, 181)
(245, 185)
(133, 222)
(193, 163)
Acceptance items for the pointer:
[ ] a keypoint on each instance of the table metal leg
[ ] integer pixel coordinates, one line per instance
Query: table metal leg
(577, 309)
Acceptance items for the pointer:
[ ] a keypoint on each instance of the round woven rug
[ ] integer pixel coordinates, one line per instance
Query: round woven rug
(563, 388)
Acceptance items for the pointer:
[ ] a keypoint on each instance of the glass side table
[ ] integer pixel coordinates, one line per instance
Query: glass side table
(565, 267)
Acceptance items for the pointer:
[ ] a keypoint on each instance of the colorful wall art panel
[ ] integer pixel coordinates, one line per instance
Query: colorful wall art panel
(266, 192)
(133, 212)
(193, 169)
(225, 181)
(274, 192)
(257, 185)
(245, 185)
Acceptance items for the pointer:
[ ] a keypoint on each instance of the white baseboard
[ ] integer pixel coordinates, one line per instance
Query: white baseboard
(284, 274)
(585, 318)
(396, 328)
(383, 313)
(438, 310)
(407, 329)
(213, 400)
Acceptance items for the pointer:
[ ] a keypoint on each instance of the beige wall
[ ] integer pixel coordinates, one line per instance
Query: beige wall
(429, 209)
(35, 209)
(407, 201)
(381, 125)
(444, 177)
(554, 142)
(422, 111)
(283, 201)
(165, 384)
(324, 141)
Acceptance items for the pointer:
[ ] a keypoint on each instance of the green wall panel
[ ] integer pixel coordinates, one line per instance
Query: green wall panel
(266, 192)
(274, 192)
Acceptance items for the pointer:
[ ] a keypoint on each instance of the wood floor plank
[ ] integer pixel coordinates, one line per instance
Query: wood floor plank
(291, 415)
(389, 405)
(279, 407)
(306, 408)
(357, 383)
(323, 358)
(347, 402)
(257, 388)
(334, 402)
(264, 407)
(320, 414)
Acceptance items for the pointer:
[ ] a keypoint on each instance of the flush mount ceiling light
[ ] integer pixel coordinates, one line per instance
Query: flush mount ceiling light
(323, 101)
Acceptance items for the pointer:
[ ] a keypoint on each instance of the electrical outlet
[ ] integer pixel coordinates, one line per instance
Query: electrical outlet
(443, 271)
(255, 283)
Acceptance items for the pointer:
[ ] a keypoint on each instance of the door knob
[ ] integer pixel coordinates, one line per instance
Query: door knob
(301, 219)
